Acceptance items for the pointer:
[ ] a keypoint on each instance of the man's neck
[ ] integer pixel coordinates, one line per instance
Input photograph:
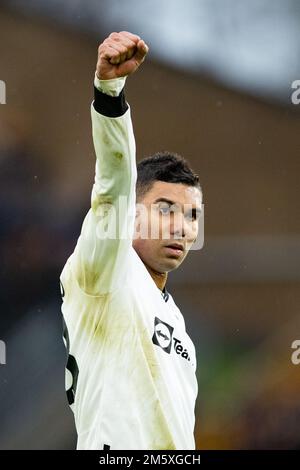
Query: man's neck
(160, 279)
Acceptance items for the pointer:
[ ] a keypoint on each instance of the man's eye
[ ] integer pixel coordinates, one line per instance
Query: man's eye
(164, 209)
(193, 216)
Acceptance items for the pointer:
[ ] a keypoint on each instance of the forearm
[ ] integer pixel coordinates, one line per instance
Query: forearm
(113, 140)
(100, 258)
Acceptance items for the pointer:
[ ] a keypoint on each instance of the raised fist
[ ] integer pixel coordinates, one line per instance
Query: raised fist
(120, 54)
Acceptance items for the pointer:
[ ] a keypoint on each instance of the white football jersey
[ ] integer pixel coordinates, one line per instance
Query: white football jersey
(130, 375)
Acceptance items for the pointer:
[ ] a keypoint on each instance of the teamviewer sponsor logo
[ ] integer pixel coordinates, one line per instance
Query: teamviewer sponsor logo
(162, 336)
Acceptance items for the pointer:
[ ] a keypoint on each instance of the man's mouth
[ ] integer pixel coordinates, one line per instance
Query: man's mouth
(175, 248)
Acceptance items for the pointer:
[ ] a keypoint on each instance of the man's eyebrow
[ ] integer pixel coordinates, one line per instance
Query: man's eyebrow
(196, 211)
(164, 199)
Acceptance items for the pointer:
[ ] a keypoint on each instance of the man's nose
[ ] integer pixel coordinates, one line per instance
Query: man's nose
(178, 226)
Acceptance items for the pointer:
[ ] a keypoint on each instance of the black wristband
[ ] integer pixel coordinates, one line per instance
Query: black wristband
(110, 106)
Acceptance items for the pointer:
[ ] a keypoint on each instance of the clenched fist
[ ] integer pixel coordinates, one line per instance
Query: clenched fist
(120, 54)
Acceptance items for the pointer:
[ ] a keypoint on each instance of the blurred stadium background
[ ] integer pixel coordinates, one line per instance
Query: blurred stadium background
(216, 88)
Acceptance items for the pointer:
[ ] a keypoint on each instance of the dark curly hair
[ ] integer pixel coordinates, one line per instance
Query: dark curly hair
(164, 166)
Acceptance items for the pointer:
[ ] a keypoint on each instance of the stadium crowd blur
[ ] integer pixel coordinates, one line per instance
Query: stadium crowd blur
(35, 234)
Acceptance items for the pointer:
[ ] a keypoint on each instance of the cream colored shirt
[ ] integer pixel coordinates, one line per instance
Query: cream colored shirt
(131, 370)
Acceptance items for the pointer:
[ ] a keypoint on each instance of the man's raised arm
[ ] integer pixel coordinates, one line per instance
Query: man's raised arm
(100, 255)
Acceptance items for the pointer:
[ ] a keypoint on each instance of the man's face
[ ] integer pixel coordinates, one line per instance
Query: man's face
(166, 216)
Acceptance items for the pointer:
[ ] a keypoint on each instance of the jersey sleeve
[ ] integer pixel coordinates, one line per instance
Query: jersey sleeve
(101, 255)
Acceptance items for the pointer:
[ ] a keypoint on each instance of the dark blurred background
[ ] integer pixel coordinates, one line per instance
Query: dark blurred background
(216, 87)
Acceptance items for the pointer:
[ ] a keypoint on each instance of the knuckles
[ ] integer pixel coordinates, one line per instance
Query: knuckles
(121, 48)
(118, 47)
(120, 37)
(114, 35)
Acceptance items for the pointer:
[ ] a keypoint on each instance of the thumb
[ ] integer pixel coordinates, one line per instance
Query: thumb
(142, 50)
